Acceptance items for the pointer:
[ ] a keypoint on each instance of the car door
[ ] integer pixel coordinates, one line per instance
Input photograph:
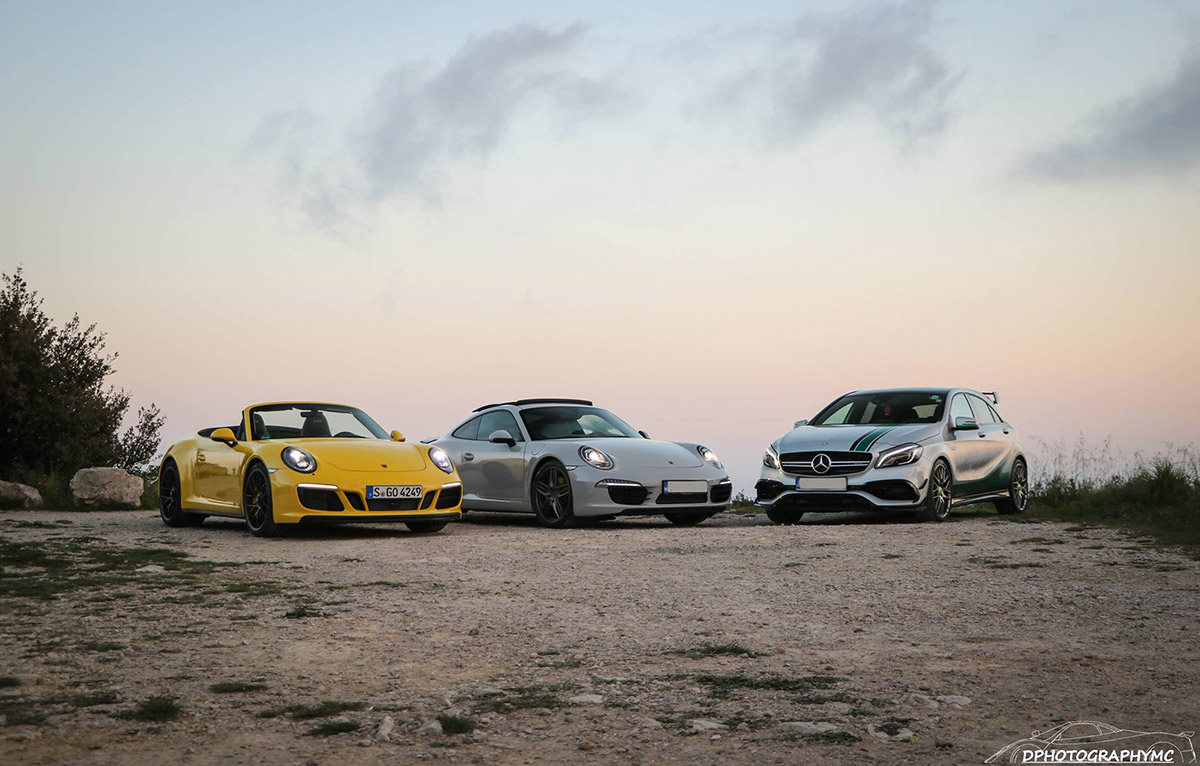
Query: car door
(217, 476)
(996, 440)
(967, 453)
(497, 469)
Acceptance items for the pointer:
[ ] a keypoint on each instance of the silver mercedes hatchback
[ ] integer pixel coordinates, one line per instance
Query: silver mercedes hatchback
(926, 450)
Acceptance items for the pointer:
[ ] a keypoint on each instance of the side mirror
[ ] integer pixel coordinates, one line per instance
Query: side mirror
(397, 436)
(223, 435)
(502, 437)
(799, 423)
(966, 424)
(643, 434)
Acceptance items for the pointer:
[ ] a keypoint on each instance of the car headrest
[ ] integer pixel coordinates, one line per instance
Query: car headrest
(316, 426)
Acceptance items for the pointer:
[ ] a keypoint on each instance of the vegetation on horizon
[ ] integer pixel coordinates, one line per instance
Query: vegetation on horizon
(57, 414)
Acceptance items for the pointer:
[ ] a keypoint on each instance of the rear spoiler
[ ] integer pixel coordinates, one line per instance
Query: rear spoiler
(995, 396)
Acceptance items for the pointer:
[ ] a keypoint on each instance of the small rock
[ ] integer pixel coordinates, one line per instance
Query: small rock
(706, 724)
(808, 727)
(586, 699)
(903, 735)
(743, 726)
(432, 726)
(838, 708)
(585, 745)
(954, 701)
(150, 569)
(364, 743)
(922, 700)
(384, 732)
(715, 737)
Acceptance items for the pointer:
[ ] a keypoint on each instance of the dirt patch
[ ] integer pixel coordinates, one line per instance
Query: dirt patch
(628, 642)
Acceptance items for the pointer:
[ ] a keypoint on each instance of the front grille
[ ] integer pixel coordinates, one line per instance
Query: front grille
(627, 495)
(722, 492)
(319, 499)
(449, 497)
(768, 490)
(355, 501)
(393, 504)
(895, 489)
(841, 463)
(682, 498)
(428, 501)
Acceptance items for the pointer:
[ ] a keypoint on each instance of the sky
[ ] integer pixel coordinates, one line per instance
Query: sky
(710, 218)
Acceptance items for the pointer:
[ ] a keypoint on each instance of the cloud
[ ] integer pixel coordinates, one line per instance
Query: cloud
(1156, 132)
(423, 120)
(875, 58)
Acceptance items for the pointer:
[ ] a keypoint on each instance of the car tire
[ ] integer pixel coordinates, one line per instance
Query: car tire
(425, 527)
(785, 516)
(940, 497)
(1018, 488)
(687, 519)
(170, 500)
(257, 505)
(551, 496)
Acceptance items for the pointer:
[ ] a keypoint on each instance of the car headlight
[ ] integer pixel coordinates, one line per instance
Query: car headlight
(709, 455)
(439, 458)
(771, 458)
(902, 455)
(299, 460)
(595, 458)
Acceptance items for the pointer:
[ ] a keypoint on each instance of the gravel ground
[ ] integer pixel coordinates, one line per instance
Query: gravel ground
(842, 640)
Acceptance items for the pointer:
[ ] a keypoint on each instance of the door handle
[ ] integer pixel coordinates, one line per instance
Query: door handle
(1006, 431)
(200, 457)
(468, 457)
(982, 435)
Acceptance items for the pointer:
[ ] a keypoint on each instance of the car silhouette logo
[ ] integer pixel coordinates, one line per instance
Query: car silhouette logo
(821, 463)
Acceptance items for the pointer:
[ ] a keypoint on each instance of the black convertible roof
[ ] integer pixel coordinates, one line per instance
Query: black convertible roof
(523, 402)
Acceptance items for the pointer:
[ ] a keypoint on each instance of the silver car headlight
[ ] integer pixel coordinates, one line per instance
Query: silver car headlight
(298, 460)
(709, 456)
(902, 455)
(438, 457)
(596, 458)
(771, 458)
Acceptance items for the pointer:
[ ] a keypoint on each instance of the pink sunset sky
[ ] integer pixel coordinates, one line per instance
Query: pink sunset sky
(709, 219)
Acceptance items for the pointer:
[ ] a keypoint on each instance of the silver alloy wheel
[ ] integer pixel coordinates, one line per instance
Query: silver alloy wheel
(943, 490)
(1020, 485)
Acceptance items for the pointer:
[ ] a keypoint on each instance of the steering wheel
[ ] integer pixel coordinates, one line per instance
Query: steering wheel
(346, 435)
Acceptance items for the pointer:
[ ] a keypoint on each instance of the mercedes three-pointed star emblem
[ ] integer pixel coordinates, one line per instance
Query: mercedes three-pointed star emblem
(821, 463)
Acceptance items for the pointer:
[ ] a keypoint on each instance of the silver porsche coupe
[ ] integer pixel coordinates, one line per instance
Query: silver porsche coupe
(566, 460)
(926, 450)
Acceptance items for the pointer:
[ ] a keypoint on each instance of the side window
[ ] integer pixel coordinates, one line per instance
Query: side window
(499, 421)
(983, 413)
(467, 430)
(960, 409)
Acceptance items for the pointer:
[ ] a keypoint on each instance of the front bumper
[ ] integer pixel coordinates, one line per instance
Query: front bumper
(331, 499)
(900, 488)
(635, 493)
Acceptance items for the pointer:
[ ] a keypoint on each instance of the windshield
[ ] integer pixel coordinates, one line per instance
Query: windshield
(312, 421)
(575, 423)
(886, 408)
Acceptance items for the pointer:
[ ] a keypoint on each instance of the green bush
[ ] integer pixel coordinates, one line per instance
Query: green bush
(1160, 499)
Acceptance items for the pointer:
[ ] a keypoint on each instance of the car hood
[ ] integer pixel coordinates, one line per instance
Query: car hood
(645, 453)
(845, 438)
(363, 454)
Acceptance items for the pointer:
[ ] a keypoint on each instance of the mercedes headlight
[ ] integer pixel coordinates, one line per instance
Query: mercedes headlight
(595, 458)
(299, 460)
(902, 455)
(439, 458)
(709, 455)
(771, 458)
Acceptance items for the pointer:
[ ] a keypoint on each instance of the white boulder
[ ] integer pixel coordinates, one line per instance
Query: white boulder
(106, 488)
(15, 495)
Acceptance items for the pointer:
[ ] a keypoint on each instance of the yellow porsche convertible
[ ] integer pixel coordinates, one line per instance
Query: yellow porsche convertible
(289, 463)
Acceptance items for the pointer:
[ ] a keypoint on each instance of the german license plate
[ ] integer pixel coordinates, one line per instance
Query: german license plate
(685, 486)
(822, 483)
(393, 491)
